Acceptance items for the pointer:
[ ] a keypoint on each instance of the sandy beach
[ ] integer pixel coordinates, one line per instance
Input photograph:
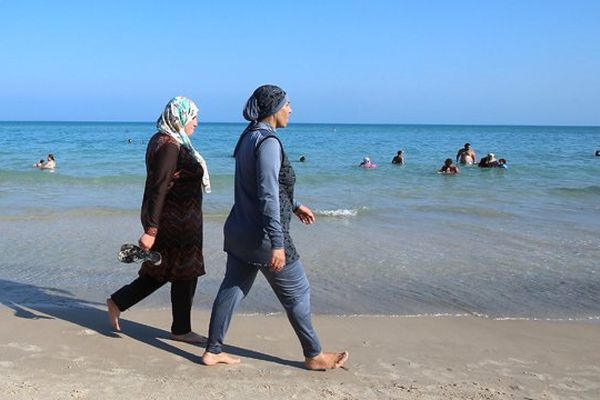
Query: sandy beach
(143, 123)
(65, 353)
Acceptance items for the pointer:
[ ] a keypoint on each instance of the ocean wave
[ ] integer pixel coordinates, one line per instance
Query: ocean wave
(592, 189)
(35, 177)
(59, 214)
(339, 213)
(96, 178)
(464, 210)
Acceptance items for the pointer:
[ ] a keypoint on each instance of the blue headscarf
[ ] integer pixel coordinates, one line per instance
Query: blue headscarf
(265, 101)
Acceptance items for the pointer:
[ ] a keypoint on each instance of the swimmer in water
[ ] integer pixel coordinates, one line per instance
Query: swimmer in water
(466, 155)
(448, 168)
(398, 158)
(488, 161)
(366, 163)
(50, 163)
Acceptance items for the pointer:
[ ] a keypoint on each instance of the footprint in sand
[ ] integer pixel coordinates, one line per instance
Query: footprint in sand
(400, 362)
(540, 377)
(591, 371)
(80, 332)
(486, 363)
(522, 362)
(392, 368)
(87, 332)
(445, 376)
(515, 368)
(579, 385)
(119, 372)
(30, 348)
(267, 338)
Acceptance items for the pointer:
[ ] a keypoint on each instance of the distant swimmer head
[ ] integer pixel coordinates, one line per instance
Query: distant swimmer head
(51, 157)
(467, 146)
(597, 153)
(491, 157)
(267, 100)
(367, 163)
(448, 162)
(302, 159)
(400, 152)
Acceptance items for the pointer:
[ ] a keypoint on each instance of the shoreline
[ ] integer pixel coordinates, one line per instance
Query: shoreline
(202, 309)
(385, 271)
(58, 353)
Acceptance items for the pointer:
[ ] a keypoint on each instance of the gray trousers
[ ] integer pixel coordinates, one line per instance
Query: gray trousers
(291, 287)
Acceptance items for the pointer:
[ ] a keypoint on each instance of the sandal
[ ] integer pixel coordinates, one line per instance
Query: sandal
(131, 253)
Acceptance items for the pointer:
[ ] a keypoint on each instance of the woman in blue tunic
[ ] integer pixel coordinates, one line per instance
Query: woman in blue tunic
(257, 232)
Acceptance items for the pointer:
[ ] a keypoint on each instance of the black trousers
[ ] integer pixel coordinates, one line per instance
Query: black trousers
(182, 296)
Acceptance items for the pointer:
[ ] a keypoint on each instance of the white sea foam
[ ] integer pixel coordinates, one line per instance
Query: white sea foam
(339, 213)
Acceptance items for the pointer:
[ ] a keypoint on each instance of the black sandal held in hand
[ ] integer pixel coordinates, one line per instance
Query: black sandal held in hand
(131, 253)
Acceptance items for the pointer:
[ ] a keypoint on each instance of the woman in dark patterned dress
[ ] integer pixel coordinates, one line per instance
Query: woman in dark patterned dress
(257, 234)
(172, 219)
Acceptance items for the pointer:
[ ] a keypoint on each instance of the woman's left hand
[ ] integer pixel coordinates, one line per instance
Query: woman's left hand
(146, 242)
(305, 215)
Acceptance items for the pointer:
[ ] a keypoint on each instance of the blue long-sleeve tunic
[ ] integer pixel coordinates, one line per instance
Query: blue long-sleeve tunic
(254, 226)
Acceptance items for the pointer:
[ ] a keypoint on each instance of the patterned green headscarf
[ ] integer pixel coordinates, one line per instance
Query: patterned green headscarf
(178, 112)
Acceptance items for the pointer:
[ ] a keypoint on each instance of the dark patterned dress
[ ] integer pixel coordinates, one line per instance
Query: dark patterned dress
(287, 180)
(172, 210)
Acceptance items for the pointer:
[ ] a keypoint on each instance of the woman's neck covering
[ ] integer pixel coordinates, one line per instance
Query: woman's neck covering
(265, 101)
(178, 112)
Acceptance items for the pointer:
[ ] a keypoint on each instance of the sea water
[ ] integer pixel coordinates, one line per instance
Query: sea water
(523, 242)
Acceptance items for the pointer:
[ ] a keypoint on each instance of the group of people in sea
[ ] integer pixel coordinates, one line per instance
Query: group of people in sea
(465, 155)
(368, 164)
(48, 164)
(256, 233)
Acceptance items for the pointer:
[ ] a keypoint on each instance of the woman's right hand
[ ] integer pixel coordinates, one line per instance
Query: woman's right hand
(146, 242)
(277, 260)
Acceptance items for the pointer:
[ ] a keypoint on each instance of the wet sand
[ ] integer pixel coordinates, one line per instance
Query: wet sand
(60, 353)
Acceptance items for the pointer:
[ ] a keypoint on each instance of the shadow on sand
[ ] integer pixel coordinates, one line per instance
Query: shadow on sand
(42, 303)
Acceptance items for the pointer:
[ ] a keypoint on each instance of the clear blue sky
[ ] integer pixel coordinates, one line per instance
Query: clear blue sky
(472, 62)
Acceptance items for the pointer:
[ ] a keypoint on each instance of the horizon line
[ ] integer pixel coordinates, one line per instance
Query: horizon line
(317, 123)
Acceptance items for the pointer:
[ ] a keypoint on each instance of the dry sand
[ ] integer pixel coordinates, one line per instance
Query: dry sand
(71, 354)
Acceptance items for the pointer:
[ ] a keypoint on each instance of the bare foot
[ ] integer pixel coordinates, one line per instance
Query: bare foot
(221, 358)
(190, 337)
(113, 314)
(326, 361)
